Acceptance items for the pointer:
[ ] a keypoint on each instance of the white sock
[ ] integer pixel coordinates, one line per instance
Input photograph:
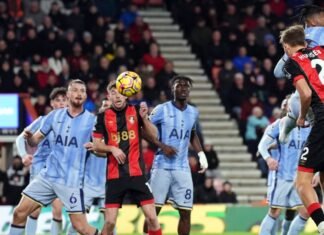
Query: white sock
(56, 226)
(31, 226)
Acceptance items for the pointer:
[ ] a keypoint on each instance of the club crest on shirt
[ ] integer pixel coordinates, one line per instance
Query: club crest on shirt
(131, 119)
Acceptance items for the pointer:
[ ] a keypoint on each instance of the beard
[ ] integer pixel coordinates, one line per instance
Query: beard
(76, 103)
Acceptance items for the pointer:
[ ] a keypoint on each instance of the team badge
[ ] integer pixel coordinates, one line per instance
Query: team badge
(131, 119)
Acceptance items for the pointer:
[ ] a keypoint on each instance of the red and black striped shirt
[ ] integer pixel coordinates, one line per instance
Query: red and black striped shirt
(122, 129)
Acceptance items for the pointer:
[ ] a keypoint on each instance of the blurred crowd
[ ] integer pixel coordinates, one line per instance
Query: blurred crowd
(44, 44)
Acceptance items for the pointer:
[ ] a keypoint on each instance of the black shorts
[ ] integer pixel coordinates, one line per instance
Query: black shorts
(137, 187)
(312, 156)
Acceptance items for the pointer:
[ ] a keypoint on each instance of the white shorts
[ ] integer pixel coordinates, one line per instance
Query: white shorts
(283, 194)
(44, 192)
(94, 193)
(173, 185)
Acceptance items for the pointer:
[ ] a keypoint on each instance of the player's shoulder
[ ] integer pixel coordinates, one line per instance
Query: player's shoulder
(192, 108)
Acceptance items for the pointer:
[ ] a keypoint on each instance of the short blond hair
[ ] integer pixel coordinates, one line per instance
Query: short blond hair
(293, 36)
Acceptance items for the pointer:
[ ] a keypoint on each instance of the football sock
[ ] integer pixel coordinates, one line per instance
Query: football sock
(156, 232)
(315, 211)
(297, 225)
(56, 227)
(70, 230)
(31, 225)
(267, 225)
(285, 227)
(16, 230)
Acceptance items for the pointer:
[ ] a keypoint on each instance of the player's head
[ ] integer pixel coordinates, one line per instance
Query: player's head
(58, 98)
(292, 38)
(180, 87)
(76, 93)
(311, 15)
(118, 101)
(284, 106)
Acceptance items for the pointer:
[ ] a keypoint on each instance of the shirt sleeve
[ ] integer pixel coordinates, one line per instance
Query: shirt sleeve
(265, 142)
(46, 124)
(156, 115)
(273, 130)
(293, 71)
(99, 127)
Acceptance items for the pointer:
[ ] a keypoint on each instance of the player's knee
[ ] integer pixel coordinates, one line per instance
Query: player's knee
(274, 212)
(79, 227)
(110, 224)
(19, 213)
(185, 214)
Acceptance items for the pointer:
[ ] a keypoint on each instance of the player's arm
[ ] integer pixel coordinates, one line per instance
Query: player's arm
(195, 142)
(21, 148)
(150, 132)
(278, 70)
(100, 146)
(33, 139)
(263, 148)
(305, 94)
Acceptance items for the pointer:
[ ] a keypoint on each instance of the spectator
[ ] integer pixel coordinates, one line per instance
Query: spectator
(35, 12)
(17, 181)
(150, 91)
(32, 45)
(154, 58)
(231, 17)
(206, 193)
(261, 30)
(87, 43)
(218, 50)
(19, 85)
(227, 195)
(119, 32)
(85, 73)
(11, 50)
(164, 77)
(41, 104)
(256, 124)
(129, 16)
(74, 60)
(110, 44)
(270, 104)
(57, 17)
(238, 93)
(137, 28)
(253, 49)
(99, 29)
(242, 59)
(103, 70)
(6, 75)
(43, 74)
(57, 62)
(121, 59)
(213, 161)
(29, 76)
(200, 38)
(225, 83)
(143, 47)
(90, 16)
(68, 42)
(75, 20)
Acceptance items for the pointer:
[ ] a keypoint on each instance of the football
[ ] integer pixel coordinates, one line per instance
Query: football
(128, 83)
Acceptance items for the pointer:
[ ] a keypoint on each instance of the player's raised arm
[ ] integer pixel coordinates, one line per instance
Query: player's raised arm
(305, 100)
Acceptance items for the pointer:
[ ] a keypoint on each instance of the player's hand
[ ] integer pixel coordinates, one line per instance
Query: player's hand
(89, 146)
(168, 151)
(300, 122)
(27, 159)
(203, 162)
(119, 155)
(27, 134)
(316, 180)
(143, 109)
(272, 164)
